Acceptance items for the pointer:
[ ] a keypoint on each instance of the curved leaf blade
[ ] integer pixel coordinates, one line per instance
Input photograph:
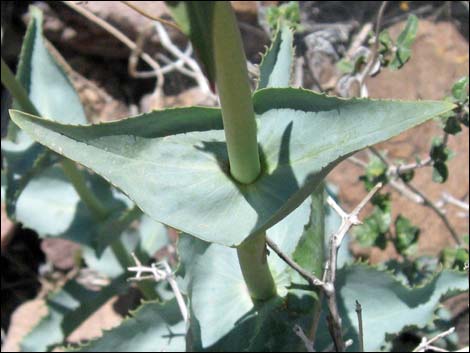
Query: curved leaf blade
(213, 271)
(174, 163)
(388, 306)
(276, 66)
(67, 309)
(44, 79)
(48, 88)
(154, 327)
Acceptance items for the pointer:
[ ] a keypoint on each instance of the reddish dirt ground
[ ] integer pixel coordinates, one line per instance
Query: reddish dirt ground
(440, 57)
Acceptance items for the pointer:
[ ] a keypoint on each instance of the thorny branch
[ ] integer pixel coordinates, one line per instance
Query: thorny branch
(328, 285)
(412, 192)
(394, 171)
(133, 61)
(347, 221)
(306, 341)
(447, 198)
(428, 203)
(309, 277)
(361, 329)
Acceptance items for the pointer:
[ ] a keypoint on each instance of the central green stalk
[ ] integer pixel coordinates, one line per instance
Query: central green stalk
(255, 269)
(238, 116)
(235, 95)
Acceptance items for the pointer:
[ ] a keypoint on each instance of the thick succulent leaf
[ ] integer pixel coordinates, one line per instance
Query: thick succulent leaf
(287, 234)
(67, 309)
(153, 237)
(388, 306)
(48, 88)
(214, 272)
(73, 304)
(310, 250)
(23, 159)
(50, 196)
(195, 20)
(217, 286)
(153, 327)
(174, 163)
(144, 240)
(45, 81)
(275, 68)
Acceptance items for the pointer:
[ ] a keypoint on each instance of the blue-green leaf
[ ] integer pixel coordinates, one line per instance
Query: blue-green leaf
(49, 88)
(214, 272)
(50, 196)
(154, 327)
(67, 309)
(174, 163)
(276, 65)
(388, 307)
(73, 304)
(52, 94)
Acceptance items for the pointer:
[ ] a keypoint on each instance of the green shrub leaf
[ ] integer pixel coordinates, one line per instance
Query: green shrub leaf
(407, 235)
(284, 14)
(404, 42)
(452, 125)
(460, 89)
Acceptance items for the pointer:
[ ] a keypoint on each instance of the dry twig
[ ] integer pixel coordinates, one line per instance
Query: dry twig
(310, 278)
(158, 272)
(409, 190)
(347, 221)
(150, 16)
(307, 342)
(114, 32)
(195, 71)
(427, 344)
(374, 54)
(361, 329)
